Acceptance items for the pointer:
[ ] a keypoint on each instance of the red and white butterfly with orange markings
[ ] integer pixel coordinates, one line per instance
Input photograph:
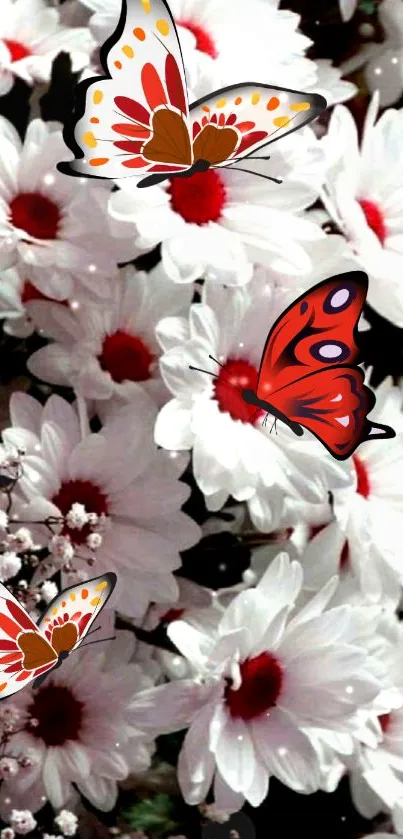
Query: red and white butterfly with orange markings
(30, 651)
(137, 119)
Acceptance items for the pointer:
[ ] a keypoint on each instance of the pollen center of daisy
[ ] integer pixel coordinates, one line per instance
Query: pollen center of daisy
(234, 376)
(363, 482)
(80, 492)
(36, 214)
(126, 357)
(204, 41)
(59, 715)
(200, 198)
(375, 218)
(262, 679)
(16, 49)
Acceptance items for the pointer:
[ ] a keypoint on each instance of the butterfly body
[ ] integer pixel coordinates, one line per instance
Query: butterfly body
(29, 652)
(137, 121)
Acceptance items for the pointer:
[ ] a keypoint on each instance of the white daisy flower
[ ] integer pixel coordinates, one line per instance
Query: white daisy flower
(376, 770)
(215, 223)
(76, 738)
(268, 678)
(118, 475)
(233, 454)
(101, 351)
(52, 227)
(16, 297)
(31, 36)
(363, 195)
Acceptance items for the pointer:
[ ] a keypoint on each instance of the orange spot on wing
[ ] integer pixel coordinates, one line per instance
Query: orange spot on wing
(134, 163)
(206, 108)
(238, 100)
(72, 596)
(8, 626)
(300, 106)
(97, 161)
(97, 97)
(10, 657)
(273, 103)
(22, 676)
(128, 51)
(281, 122)
(94, 120)
(63, 604)
(2, 686)
(101, 586)
(118, 65)
(152, 86)
(84, 593)
(139, 33)
(243, 127)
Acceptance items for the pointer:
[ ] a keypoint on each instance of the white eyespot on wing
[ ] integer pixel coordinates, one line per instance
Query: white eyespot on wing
(330, 351)
(339, 298)
(337, 398)
(344, 421)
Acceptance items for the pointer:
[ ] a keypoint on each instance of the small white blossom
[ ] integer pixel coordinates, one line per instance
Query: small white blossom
(67, 822)
(61, 547)
(94, 541)
(49, 590)
(77, 517)
(10, 565)
(22, 539)
(3, 519)
(8, 767)
(10, 716)
(7, 833)
(22, 821)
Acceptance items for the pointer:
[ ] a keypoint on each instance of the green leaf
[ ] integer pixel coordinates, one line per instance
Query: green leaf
(153, 816)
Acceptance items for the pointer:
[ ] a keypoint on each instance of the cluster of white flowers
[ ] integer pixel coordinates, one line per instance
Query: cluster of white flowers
(295, 671)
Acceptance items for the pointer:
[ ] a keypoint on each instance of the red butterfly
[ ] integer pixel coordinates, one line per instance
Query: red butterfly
(30, 651)
(137, 119)
(308, 375)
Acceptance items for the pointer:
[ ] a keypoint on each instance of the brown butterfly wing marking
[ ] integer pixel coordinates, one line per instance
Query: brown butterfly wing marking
(36, 651)
(214, 144)
(170, 141)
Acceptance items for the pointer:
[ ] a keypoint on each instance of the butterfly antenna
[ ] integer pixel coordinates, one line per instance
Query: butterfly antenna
(99, 641)
(257, 174)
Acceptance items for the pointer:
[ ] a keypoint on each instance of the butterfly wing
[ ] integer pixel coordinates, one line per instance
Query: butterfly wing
(238, 120)
(25, 652)
(136, 121)
(333, 404)
(70, 615)
(318, 330)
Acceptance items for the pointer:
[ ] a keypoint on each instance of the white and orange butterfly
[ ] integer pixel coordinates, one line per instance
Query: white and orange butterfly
(30, 651)
(137, 119)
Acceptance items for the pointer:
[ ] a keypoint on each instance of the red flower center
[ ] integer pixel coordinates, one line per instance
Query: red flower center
(16, 49)
(235, 375)
(200, 198)
(36, 214)
(363, 482)
(385, 720)
(262, 679)
(204, 41)
(80, 492)
(375, 219)
(59, 715)
(126, 357)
